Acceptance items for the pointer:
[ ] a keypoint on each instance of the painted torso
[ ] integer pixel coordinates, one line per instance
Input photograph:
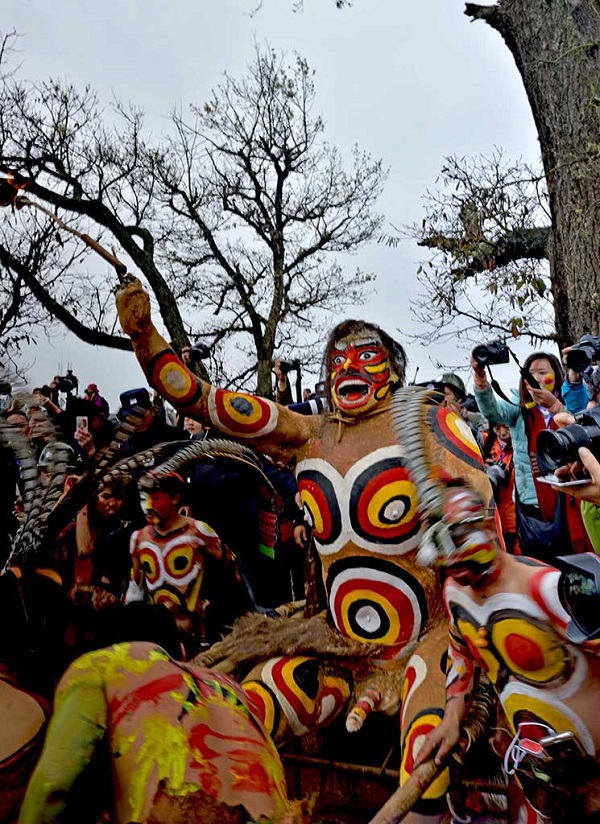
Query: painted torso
(516, 634)
(173, 565)
(362, 505)
(177, 731)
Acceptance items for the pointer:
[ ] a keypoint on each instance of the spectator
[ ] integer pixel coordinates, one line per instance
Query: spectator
(91, 428)
(591, 376)
(455, 396)
(149, 424)
(500, 467)
(196, 430)
(544, 528)
(93, 550)
(93, 395)
(575, 391)
(283, 389)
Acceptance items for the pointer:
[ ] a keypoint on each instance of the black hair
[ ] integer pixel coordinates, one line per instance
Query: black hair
(524, 396)
(394, 350)
(169, 482)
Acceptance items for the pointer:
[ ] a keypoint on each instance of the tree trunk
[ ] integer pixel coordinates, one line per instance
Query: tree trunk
(555, 44)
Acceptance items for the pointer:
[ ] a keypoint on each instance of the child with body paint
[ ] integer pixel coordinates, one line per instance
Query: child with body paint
(168, 555)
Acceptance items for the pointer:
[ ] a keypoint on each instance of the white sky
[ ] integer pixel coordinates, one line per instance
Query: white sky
(409, 82)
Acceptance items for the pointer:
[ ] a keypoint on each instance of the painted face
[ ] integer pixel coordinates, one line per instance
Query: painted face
(472, 533)
(542, 371)
(159, 507)
(361, 375)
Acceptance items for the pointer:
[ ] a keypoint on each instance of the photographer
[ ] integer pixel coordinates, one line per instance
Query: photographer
(283, 389)
(541, 523)
(579, 360)
(588, 495)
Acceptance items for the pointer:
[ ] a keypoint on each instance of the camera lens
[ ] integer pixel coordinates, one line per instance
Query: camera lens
(559, 448)
(579, 359)
(480, 354)
(556, 448)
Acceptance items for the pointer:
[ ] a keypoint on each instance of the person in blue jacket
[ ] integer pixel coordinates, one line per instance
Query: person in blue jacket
(530, 411)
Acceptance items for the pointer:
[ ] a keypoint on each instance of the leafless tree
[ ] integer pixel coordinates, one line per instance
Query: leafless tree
(488, 225)
(233, 219)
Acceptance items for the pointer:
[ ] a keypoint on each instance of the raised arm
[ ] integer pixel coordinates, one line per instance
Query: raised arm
(266, 425)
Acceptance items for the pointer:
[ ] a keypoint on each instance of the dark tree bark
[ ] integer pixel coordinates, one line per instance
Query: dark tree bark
(555, 45)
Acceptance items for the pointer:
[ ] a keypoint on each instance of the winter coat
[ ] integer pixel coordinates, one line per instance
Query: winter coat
(498, 411)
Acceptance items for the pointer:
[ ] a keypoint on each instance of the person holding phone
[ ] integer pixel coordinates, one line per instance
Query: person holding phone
(544, 527)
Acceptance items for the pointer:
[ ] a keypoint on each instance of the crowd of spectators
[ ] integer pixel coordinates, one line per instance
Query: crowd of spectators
(210, 544)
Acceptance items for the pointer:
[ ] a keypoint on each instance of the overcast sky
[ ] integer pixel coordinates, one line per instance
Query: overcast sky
(409, 82)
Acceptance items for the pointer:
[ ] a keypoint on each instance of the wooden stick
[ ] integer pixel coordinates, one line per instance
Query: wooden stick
(120, 268)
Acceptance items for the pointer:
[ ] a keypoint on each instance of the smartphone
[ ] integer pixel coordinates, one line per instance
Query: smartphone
(81, 423)
(553, 480)
(563, 745)
(528, 378)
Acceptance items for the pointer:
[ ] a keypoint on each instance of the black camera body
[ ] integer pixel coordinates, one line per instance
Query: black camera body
(491, 353)
(583, 353)
(560, 447)
(289, 366)
(199, 351)
(68, 383)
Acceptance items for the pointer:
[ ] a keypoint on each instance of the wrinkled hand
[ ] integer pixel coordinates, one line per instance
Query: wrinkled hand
(440, 741)
(133, 306)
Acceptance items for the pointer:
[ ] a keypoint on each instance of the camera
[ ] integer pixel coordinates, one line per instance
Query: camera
(583, 353)
(557, 448)
(199, 351)
(488, 354)
(289, 366)
(67, 383)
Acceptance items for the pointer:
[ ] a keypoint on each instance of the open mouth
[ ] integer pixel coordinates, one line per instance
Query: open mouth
(352, 391)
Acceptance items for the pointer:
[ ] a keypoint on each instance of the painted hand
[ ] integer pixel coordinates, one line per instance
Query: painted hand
(133, 306)
(440, 741)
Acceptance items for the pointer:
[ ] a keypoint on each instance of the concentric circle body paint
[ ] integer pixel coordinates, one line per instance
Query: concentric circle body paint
(455, 434)
(320, 501)
(295, 681)
(383, 503)
(374, 505)
(433, 799)
(236, 413)
(374, 600)
(265, 706)
(165, 373)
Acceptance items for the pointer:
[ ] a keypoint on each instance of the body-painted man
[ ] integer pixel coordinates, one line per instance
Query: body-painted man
(168, 554)
(363, 507)
(185, 746)
(507, 620)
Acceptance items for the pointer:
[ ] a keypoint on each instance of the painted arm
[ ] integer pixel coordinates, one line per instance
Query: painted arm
(266, 425)
(210, 539)
(76, 728)
(135, 590)
(459, 686)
